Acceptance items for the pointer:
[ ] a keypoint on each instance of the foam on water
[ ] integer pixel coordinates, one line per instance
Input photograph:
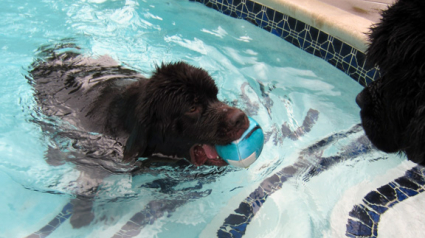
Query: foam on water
(274, 82)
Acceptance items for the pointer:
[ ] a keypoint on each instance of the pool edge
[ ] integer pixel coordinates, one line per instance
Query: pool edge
(309, 38)
(341, 24)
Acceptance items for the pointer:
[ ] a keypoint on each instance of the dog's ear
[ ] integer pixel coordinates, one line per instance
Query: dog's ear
(136, 143)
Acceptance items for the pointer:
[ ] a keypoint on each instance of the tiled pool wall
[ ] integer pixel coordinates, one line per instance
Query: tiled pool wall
(306, 37)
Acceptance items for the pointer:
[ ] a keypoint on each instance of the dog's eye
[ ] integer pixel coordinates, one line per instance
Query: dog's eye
(194, 112)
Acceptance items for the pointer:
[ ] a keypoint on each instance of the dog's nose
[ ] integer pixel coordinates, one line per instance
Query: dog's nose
(238, 118)
(363, 98)
(359, 101)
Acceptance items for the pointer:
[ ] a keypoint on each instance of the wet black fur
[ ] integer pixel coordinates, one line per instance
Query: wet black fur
(167, 113)
(393, 107)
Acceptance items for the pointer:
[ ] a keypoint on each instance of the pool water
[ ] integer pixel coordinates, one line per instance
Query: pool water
(305, 106)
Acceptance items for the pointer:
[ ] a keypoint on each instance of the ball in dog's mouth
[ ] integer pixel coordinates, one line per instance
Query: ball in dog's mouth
(206, 154)
(201, 154)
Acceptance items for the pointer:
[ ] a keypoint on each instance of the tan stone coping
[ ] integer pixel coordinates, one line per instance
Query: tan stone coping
(341, 24)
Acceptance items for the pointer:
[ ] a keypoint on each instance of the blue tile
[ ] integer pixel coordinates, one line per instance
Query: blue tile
(236, 2)
(307, 45)
(361, 213)
(314, 33)
(277, 32)
(308, 36)
(292, 23)
(354, 62)
(222, 234)
(348, 58)
(367, 81)
(236, 234)
(216, 7)
(318, 53)
(56, 222)
(405, 182)
(250, 6)
(358, 229)
(226, 10)
(323, 37)
(345, 67)
(308, 48)
(351, 70)
(300, 26)
(234, 220)
(415, 176)
(400, 195)
(372, 74)
(346, 49)
(269, 14)
(279, 19)
(46, 230)
(331, 48)
(374, 216)
(234, 15)
(378, 209)
(330, 58)
(409, 192)
(361, 57)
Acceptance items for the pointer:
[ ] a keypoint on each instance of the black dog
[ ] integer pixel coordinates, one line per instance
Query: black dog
(175, 114)
(393, 107)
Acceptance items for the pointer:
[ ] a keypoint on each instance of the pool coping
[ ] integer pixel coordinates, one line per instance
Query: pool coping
(327, 32)
(341, 24)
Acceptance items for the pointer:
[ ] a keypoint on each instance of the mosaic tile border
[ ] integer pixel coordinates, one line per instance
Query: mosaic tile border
(308, 38)
(45, 231)
(365, 217)
(308, 165)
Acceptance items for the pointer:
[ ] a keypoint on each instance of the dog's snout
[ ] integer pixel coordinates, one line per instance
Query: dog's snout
(359, 100)
(237, 118)
(363, 98)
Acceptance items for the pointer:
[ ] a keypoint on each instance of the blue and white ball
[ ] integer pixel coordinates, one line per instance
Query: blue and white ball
(244, 151)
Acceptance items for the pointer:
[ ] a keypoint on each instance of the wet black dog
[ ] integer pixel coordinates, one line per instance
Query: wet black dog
(175, 114)
(393, 107)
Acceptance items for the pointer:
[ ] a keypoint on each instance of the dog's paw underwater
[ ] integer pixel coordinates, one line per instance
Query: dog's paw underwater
(174, 114)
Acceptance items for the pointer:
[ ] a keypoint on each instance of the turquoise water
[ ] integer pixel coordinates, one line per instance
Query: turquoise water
(274, 82)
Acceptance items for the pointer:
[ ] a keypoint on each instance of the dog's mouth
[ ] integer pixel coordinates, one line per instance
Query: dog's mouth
(204, 154)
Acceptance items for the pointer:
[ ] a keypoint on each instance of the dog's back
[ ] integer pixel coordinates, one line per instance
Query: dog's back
(82, 90)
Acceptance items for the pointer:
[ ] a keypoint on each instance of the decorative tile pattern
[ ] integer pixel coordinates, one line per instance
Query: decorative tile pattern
(235, 224)
(154, 210)
(310, 39)
(55, 223)
(310, 163)
(365, 217)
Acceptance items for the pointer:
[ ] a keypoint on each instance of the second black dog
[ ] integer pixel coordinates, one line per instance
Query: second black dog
(393, 107)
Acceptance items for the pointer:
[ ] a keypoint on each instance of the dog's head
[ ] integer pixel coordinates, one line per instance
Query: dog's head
(393, 107)
(178, 115)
